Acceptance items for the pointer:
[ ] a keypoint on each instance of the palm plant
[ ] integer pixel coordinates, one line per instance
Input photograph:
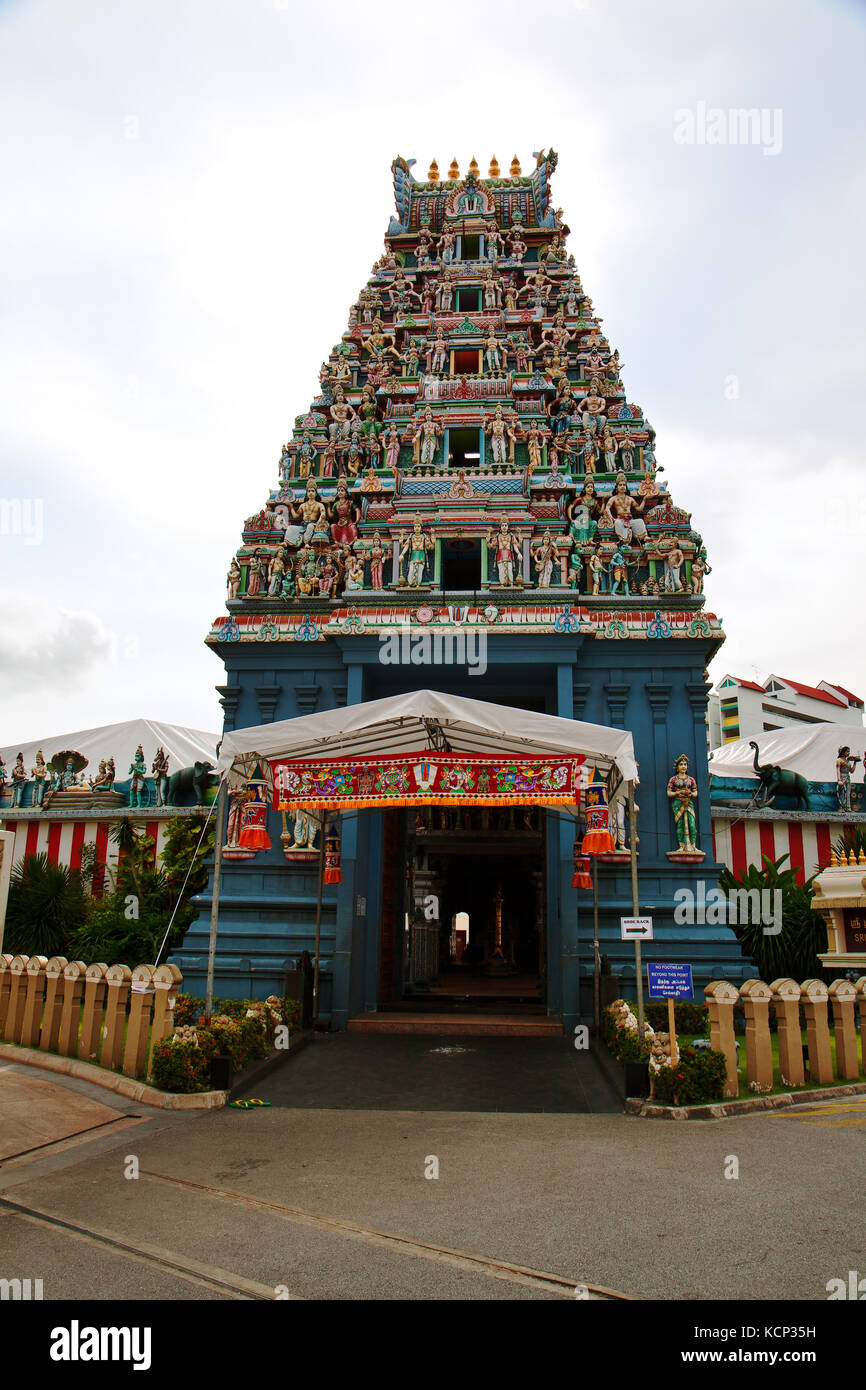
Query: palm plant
(46, 904)
(793, 951)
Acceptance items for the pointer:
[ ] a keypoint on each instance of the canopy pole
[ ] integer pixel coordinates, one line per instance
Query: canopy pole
(319, 922)
(635, 909)
(596, 983)
(215, 895)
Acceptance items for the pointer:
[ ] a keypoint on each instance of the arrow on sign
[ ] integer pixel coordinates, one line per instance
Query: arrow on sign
(636, 928)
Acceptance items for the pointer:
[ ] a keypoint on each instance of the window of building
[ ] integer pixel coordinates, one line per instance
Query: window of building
(464, 449)
(461, 564)
(468, 300)
(467, 362)
(470, 248)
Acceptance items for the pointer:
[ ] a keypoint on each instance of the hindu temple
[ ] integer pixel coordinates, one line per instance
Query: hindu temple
(471, 503)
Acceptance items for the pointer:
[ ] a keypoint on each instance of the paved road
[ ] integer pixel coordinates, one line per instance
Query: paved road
(335, 1202)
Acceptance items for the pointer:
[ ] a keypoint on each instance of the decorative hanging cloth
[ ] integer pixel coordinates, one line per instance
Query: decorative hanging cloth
(427, 779)
(598, 839)
(253, 833)
(333, 873)
(581, 878)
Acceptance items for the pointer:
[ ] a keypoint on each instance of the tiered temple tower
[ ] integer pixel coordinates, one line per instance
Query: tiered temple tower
(470, 469)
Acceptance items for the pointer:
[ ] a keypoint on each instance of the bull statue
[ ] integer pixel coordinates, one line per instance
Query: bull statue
(774, 780)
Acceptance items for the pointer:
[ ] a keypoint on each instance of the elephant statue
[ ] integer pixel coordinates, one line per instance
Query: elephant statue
(190, 781)
(774, 780)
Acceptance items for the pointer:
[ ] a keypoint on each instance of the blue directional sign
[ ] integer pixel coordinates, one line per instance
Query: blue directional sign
(670, 981)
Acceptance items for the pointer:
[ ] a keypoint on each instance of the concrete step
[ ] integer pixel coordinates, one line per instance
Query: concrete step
(458, 1025)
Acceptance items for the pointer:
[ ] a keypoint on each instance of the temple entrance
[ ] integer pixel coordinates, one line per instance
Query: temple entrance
(470, 937)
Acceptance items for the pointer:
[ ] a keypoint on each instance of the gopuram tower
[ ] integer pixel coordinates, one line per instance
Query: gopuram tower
(470, 469)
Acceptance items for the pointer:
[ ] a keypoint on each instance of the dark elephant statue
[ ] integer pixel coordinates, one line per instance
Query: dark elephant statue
(778, 781)
(190, 782)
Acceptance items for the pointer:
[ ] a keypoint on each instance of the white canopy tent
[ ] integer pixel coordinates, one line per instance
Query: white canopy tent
(412, 723)
(810, 750)
(403, 724)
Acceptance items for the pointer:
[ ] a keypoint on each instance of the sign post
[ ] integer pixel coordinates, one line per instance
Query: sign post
(670, 982)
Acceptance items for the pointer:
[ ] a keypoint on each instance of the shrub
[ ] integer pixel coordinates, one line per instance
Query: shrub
(622, 1042)
(698, 1077)
(182, 1062)
(793, 951)
(242, 1039)
(46, 905)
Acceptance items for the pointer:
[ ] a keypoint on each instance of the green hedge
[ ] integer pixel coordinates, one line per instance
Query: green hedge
(690, 1017)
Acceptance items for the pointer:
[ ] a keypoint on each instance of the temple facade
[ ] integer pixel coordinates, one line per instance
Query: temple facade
(472, 504)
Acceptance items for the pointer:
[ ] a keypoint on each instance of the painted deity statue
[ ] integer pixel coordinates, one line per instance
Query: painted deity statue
(623, 512)
(627, 448)
(306, 456)
(377, 562)
(505, 547)
(343, 528)
(138, 785)
(544, 558)
(674, 561)
(845, 766)
(535, 439)
(499, 430)
(392, 448)
(104, 779)
(159, 770)
(426, 435)
(19, 780)
(683, 794)
(597, 569)
(311, 511)
(278, 570)
(581, 514)
(40, 777)
(608, 445)
(417, 546)
(438, 355)
(618, 574)
(355, 574)
(592, 409)
(342, 414)
(492, 353)
(233, 578)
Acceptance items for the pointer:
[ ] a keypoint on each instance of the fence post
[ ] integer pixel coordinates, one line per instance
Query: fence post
(5, 979)
(17, 986)
(842, 996)
(33, 1002)
(721, 996)
(53, 1003)
(815, 998)
(135, 1052)
(73, 988)
(117, 978)
(756, 996)
(860, 986)
(91, 1017)
(167, 983)
(786, 997)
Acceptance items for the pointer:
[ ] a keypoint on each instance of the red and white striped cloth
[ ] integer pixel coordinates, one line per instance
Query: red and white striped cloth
(739, 841)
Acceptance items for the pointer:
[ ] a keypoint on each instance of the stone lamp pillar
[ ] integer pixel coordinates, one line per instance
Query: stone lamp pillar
(756, 996)
(840, 897)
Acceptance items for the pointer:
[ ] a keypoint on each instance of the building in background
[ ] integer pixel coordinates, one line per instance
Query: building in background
(741, 709)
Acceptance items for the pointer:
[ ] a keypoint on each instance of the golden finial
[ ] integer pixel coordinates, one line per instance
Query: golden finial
(433, 172)
(861, 858)
(834, 862)
(515, 168)
(493, 171)
(454, 171)
(851, 859)
(473, 166)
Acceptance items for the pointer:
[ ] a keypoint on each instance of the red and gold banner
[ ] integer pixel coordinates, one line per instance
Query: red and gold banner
(426, 779)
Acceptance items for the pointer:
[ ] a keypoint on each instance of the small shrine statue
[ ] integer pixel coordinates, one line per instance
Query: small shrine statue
(104, 778)
(391, 441)
(592, 409)
(618, 574)
(19, 780)
(306, 457)
(626, 448)
(355, 574)
(596, 567)
(417, 544)
(159, 769)
(581, 513)
(505, 547)
(41, 777)
(138, 786)
(286, 464)
(845, 765)
(674, 561)
(278, 570)
(608, 445)
(699, 569)
(534, 444)
(683, 793)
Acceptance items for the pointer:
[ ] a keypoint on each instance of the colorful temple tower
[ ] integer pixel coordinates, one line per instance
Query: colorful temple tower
(471, 504)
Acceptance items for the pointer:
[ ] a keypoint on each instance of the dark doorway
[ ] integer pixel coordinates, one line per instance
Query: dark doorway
(464, 446)
(461, 565)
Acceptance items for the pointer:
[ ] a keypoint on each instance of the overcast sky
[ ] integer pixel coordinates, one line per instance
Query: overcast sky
(195, 190)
